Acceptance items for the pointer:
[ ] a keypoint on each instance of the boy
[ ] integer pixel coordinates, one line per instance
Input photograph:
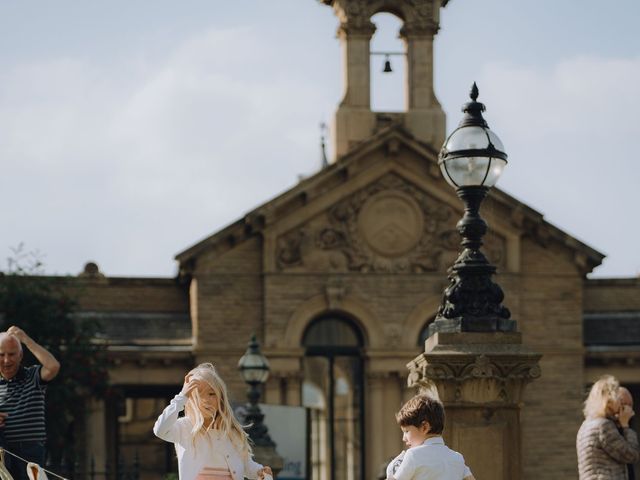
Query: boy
(421, 420)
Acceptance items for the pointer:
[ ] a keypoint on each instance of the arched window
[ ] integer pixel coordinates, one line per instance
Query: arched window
(332, 390)
(334, 332)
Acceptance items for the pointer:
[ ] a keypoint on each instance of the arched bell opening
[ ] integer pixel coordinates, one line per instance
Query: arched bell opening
(388, 65)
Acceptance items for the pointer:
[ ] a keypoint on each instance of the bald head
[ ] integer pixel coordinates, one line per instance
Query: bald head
(7, 338)
(624, 396)
(10, 355)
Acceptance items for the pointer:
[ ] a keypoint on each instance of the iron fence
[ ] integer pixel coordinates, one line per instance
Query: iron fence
(109, 471)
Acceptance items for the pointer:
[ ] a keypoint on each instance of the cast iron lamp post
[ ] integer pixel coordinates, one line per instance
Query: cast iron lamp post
(472, 160)
(255, 370)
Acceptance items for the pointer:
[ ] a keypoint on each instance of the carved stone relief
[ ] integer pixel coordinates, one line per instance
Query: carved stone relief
(391, 223)
(500, 378)
(389, 226)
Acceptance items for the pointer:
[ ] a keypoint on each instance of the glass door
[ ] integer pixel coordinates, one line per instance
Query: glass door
(333, 393)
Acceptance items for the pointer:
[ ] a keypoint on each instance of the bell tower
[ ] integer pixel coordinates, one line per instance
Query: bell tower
(423, 116)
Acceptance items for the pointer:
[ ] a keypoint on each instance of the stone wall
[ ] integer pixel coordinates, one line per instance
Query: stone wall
(229, 305)
(550, 318)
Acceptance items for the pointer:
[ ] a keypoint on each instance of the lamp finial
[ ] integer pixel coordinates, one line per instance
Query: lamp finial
(474, 92)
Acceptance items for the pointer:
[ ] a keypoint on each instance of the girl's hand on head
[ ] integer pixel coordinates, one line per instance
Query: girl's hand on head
(190, 384)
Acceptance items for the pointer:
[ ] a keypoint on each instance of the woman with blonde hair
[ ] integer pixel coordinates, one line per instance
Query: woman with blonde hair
(210, 443)
(605, 442)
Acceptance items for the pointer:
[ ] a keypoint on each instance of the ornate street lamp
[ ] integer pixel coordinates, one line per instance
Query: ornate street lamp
(255, 370)
(472, 160)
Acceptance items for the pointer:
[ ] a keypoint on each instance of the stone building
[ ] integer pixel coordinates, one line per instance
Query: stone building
(340, 277)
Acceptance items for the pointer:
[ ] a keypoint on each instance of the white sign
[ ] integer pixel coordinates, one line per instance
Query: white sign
(288, 428)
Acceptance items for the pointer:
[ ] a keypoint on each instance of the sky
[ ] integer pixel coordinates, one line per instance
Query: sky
(130, 130)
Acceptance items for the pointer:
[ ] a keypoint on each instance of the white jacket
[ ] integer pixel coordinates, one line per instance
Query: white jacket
(193, 457)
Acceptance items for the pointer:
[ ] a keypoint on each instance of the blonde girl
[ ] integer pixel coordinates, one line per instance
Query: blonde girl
(210, 443)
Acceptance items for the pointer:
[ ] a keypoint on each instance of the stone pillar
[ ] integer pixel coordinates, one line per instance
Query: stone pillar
(375, 405)
(354, 41)
(424, 117)
(393, 401)
(273, 389)
(194, 306)
(284, 388)
(96, 447)
(294, 389)
(480, 379)
(354, 120)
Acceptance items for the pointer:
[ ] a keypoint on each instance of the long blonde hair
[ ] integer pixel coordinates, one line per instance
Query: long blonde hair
(223, 418)
(601, 395)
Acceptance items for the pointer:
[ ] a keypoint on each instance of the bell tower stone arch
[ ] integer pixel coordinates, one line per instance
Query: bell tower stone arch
(423, 116)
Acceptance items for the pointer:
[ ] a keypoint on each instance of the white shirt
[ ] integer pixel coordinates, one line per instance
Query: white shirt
(432, 460)
(210, 450)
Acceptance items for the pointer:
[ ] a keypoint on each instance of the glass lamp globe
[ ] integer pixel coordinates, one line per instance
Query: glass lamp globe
(472, 155)
(253, 365)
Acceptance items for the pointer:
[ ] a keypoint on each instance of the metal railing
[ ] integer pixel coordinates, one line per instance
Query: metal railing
(109, 471)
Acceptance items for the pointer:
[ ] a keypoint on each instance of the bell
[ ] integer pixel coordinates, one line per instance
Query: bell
(387, 66)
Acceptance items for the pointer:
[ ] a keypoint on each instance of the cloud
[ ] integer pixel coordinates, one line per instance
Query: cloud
(128, 162)
(570, 131)
(135, 163)
(578, 96)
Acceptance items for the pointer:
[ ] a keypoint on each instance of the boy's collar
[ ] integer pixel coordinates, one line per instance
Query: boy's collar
(435, 440)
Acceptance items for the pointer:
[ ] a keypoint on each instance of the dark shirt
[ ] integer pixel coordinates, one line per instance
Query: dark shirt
(22, 398)
(632, 475)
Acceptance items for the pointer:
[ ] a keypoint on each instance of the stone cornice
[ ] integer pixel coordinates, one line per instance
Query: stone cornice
(420, 17)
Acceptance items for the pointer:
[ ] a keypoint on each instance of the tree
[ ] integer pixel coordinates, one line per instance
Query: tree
(44, 307)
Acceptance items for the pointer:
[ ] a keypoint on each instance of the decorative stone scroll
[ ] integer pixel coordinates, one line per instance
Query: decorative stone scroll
(465, 371)
(477, 367)
(389, 226)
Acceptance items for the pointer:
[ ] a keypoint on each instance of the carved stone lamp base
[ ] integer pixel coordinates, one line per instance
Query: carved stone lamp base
(480, 379)
(472, 324)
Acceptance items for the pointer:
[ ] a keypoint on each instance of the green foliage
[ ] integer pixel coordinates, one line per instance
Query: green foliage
(43, 307)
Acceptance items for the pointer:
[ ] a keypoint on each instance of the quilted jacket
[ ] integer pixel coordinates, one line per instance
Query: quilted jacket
(603, 452)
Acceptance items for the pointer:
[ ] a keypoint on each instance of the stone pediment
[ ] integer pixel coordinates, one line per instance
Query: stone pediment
(390, 225)
(326, 222)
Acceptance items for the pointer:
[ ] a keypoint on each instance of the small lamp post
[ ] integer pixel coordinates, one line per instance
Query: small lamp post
(254, 368)
(472, 160)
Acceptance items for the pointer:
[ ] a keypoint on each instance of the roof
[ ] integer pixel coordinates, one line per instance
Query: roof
(141, 328)
(612, 329)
